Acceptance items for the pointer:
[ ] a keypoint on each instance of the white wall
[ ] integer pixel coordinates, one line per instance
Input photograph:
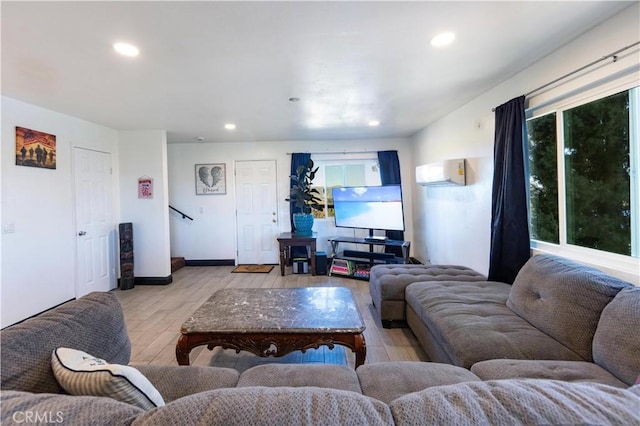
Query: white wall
(453, 224)
(38, 258)
(211, 236)
(144, 153)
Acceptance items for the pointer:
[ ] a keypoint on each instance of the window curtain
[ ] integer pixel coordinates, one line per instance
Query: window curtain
(509, 201)
(297, 160)
(390, 175)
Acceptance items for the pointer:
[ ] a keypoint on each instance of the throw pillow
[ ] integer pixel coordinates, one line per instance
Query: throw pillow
(82, 374)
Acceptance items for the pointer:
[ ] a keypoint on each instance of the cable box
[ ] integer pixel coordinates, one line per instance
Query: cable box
(376, 239)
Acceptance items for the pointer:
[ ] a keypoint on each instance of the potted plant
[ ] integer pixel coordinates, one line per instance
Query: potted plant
(304, 197)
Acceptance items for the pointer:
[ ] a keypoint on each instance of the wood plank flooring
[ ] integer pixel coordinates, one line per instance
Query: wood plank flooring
(154, 314)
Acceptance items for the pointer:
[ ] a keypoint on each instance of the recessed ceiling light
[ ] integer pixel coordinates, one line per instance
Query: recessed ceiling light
(443, 39)
(374, 123)
(126, 49)
(230, 126)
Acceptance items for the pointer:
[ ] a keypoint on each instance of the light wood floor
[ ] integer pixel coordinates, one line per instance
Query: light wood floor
(154, 314)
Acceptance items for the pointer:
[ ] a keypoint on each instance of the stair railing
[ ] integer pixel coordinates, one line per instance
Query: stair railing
(184, 216)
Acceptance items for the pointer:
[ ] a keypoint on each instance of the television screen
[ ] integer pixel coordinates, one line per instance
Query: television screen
(369, 207)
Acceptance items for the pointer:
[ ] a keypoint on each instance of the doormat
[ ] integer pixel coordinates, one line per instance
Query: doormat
(260, 269)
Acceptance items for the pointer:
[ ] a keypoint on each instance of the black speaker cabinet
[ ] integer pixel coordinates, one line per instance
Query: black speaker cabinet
(321, 263)
(126, 256)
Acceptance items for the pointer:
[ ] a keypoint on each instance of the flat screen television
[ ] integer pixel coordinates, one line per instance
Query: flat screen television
(369, 207)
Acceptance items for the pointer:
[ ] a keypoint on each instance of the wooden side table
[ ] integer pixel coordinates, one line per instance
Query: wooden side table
(288, 239)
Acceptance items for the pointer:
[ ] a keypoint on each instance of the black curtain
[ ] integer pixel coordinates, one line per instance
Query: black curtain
(509, 215)
(390, 175)
(297, 159)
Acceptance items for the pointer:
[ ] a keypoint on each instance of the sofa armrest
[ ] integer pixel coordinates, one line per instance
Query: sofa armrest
(175, 381)
(93, 324)
(23, 408)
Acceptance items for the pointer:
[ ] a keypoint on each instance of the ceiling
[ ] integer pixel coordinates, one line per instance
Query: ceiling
(203, 64)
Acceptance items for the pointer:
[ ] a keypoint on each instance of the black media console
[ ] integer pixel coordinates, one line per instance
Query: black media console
(356, 263)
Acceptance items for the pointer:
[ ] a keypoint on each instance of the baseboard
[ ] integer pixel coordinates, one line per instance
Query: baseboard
(211, 262)
(153, 280)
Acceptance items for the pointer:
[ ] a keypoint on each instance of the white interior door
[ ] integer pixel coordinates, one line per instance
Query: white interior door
(256, 212)
(94, 224)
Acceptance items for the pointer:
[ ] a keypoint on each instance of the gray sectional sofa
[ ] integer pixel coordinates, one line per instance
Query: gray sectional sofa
(380, 393)
(559, 320)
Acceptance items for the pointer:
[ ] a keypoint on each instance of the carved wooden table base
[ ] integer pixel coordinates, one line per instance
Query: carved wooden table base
(270, 344)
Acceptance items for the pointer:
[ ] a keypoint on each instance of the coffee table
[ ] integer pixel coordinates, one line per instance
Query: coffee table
(275, 322)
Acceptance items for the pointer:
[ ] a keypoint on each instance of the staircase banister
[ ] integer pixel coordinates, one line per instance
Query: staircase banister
(184, 216)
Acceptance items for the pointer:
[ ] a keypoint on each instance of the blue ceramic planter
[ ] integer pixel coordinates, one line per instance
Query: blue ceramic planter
(303, 223)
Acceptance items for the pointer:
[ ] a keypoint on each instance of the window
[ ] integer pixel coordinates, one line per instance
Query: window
(335, 174)
(543, 178)
(583, 161)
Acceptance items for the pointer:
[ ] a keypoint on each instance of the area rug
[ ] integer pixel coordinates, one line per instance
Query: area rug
(260, 269)
(242, 361)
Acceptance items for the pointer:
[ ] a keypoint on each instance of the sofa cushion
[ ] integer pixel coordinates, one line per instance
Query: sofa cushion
(471, 323)
(24, 408)
(568, 371)
(176, 381)
(94, 324)
(82, 374)
(616, 344)
(387, 381)
(271, 406)
(301, 375)
(564, 299)
(519, 402)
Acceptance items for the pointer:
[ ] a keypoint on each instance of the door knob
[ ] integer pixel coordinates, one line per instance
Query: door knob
(81, 233)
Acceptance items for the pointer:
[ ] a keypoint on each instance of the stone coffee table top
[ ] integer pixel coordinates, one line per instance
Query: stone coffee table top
(277, 310)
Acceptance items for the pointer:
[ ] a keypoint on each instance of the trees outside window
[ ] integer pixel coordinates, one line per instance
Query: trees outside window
(594, 203)
(597, 174)
(543, 178)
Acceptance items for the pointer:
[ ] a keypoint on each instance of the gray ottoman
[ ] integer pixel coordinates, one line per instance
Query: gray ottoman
(387, 284)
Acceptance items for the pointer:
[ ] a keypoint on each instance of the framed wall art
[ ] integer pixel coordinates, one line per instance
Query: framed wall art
(145, 187)
(211, 179)
(35, 149)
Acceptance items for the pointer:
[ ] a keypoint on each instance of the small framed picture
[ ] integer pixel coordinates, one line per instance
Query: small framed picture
(211, 179)
(145, 187)
(35, 149)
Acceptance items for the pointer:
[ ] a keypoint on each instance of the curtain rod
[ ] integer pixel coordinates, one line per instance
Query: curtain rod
(339, 152)
(610, 55)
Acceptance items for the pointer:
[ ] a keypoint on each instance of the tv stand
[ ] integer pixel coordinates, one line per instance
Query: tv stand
(355, 263)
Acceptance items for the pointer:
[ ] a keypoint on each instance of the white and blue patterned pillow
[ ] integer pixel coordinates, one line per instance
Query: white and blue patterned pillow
(82, 374)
